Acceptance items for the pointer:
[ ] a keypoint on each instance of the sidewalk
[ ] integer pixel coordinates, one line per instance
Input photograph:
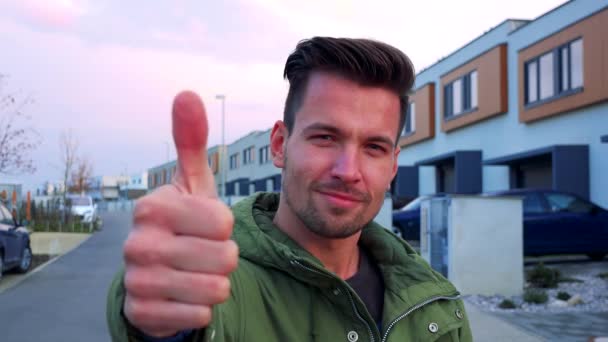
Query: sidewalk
(56, 243)
(487, 327)
(53, 244)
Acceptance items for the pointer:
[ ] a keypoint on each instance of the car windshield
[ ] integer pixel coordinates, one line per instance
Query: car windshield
(80, 201)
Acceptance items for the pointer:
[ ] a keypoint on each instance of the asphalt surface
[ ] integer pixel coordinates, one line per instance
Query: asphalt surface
(66, 300)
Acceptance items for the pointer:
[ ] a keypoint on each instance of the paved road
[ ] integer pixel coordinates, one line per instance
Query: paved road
(65, 301)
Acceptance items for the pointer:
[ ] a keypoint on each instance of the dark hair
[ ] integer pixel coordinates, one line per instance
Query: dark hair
(367, 62)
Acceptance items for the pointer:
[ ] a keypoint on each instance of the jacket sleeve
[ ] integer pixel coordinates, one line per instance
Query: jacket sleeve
(224, 325)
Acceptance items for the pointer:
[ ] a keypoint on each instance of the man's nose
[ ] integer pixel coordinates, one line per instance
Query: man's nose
(347, 166)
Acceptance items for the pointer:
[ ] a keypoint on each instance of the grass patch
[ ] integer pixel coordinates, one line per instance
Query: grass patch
(507, 304)
(603, 275)
(535, 296)
(563, 296)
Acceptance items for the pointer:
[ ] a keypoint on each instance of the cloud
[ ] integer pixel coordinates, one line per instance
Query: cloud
(55, 14)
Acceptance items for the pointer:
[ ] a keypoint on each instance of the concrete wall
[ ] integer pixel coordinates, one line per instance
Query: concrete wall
(486, 245)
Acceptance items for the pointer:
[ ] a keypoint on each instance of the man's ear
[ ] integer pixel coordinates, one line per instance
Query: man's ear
(278, 142)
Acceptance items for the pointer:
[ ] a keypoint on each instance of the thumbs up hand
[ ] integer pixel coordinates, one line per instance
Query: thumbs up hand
(179, 254)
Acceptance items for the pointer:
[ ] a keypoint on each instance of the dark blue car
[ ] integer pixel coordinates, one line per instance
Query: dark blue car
(554, 223)
(15, 251)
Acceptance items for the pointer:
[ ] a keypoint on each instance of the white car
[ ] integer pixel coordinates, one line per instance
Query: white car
(84, 208)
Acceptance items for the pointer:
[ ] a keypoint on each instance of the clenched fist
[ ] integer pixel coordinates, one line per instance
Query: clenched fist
(179, 254)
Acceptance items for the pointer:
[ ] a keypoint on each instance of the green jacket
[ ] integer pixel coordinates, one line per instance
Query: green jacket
(280, 292)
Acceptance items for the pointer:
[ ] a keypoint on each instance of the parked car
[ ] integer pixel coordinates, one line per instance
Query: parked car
(15, 250)
(561, 223)
(83, 207)
(553, 223)
(406, 221)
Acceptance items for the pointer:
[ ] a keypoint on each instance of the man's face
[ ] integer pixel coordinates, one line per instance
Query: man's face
(340, 157)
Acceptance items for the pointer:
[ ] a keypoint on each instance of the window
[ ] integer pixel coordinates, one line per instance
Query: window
(554, 73)
(264, 155)
(248, 155)
(234, 161)
(213, 161)
(566, 203)
(533, 204)
(461, 96)
(410, 119)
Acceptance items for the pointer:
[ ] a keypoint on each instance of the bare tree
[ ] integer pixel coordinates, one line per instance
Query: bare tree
(68, 145)
(82, 175)
(17, 138)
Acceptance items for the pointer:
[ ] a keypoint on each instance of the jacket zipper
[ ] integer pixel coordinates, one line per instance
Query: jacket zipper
(350, 298)
(414, 308)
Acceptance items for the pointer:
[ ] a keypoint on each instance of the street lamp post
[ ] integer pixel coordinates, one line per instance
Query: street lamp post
(223, 148)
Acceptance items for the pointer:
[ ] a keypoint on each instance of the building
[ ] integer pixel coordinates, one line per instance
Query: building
(135, 188)
(51, 189)
(522, 106)
(107, 188)
(250, 167)
(247, 168)
(163, 174)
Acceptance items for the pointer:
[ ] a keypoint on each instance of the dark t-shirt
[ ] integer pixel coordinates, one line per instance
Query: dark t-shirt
(369, 285)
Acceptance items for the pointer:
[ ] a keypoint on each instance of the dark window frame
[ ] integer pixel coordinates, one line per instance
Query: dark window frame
(264, 153)
(558, 76)
(466, 97)
(407, 127)
(234, 161)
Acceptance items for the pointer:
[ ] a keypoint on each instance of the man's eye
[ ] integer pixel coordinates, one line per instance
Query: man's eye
(376, 147)
(324, 137)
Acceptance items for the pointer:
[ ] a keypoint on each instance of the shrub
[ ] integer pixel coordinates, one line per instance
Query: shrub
(535, 296)
(543, 277)
(507, 304)
(563, 296)
(603, 275)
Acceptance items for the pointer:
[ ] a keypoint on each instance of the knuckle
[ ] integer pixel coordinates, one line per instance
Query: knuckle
(226, 222)
(141, 282)
(231, 256)
(218, 289)
(144, 208)
(136, 311)
(141, 248)
(204, 316)
(131, 248)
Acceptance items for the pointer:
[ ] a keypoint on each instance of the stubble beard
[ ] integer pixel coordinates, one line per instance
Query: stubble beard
(313, 219)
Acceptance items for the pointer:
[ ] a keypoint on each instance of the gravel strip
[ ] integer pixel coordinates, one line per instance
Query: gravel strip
(593, 291)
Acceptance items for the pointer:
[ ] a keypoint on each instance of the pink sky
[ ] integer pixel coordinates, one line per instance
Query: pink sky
(109, 70)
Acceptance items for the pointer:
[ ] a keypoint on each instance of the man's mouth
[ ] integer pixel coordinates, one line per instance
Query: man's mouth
(341, 199)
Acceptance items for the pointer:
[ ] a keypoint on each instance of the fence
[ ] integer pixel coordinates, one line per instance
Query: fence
(115, 206)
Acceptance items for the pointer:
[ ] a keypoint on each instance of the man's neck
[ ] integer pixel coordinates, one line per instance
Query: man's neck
(340, 256)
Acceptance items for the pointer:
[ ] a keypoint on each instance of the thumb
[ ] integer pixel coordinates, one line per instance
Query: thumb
(190, 132)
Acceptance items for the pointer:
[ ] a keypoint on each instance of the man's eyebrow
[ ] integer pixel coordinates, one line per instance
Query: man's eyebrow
(321, 127)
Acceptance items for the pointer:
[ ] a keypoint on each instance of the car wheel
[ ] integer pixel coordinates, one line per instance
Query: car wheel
(26, 260)
(596, 256)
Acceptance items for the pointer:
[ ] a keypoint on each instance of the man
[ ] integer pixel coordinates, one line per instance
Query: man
(312, 265)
